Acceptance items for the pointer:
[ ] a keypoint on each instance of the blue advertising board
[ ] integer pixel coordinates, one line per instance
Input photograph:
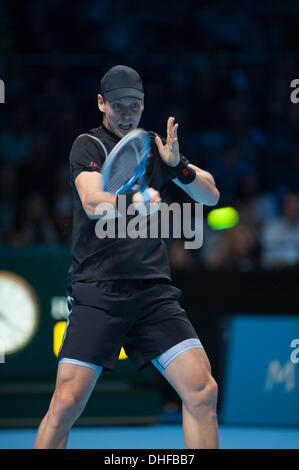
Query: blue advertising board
(261, 377)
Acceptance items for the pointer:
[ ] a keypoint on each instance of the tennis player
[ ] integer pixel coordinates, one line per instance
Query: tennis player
(120, 291)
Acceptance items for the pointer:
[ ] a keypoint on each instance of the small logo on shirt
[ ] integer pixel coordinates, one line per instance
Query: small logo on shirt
(150, 153)
(93, 164)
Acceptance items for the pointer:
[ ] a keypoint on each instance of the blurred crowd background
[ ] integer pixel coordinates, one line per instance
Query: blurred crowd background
(222, 68)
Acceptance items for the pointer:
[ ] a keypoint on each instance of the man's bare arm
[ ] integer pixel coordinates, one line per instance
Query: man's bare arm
(202, 189)
(90, 189)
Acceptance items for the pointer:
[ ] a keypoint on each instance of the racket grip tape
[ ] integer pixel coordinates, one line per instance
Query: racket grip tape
(146, 195)
(183, 172)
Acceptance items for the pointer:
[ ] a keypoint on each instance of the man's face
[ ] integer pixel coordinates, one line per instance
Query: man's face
(121, 116)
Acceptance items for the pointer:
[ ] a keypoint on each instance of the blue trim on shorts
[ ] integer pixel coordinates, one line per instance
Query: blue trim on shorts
(164, 359)
(66, 360)
(160, 362)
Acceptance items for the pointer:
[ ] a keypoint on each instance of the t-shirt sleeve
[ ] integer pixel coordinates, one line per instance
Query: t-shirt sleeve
(183, 158)
(86, 155)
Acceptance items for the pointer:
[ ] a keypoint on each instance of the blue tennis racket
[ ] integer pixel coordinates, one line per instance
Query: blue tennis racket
(125, 166)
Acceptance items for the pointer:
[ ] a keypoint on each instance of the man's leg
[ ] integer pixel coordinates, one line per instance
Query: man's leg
(73, 388)
(190, 375)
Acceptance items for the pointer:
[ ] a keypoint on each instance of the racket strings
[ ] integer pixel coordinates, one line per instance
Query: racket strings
(125, 164)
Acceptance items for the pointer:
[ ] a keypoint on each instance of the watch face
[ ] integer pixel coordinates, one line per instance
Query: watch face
(18, 312)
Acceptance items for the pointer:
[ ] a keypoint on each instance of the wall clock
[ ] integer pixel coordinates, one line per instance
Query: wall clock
(19, 312)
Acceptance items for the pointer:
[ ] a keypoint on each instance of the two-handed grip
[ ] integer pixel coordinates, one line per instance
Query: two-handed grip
(146, 196)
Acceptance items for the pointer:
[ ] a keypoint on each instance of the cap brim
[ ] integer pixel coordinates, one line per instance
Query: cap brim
(124, 93)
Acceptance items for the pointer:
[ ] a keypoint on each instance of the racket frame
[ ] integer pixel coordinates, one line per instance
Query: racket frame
(139, 172)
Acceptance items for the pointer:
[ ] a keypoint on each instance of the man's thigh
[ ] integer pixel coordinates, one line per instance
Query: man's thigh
(77, 380)
(190, 371)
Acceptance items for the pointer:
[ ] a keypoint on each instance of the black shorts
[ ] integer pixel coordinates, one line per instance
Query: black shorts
(143, 316)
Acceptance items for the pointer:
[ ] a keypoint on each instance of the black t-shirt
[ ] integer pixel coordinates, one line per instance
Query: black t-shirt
(96, 259)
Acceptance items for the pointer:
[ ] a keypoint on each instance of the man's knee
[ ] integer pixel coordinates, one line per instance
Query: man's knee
(203, 398)
(65, 407)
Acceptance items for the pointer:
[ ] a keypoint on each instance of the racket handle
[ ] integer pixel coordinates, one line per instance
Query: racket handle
(146, 195)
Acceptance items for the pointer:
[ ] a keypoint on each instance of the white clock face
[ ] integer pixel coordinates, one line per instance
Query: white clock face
(18, 312)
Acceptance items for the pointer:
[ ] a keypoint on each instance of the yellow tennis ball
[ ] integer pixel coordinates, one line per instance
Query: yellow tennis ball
(225, 217)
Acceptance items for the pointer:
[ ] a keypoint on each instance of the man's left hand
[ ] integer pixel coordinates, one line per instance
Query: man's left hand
(170, 151)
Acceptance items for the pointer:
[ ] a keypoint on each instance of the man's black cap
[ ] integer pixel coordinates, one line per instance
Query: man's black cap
(121, 81)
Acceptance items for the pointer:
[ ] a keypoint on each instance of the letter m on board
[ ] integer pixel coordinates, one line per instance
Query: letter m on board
(278, 374)
(2, 91)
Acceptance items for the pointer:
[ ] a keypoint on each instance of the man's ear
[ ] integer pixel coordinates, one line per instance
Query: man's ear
(101, 103)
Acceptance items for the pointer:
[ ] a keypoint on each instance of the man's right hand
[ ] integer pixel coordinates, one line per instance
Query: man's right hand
(149, 207)
(155, 197)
